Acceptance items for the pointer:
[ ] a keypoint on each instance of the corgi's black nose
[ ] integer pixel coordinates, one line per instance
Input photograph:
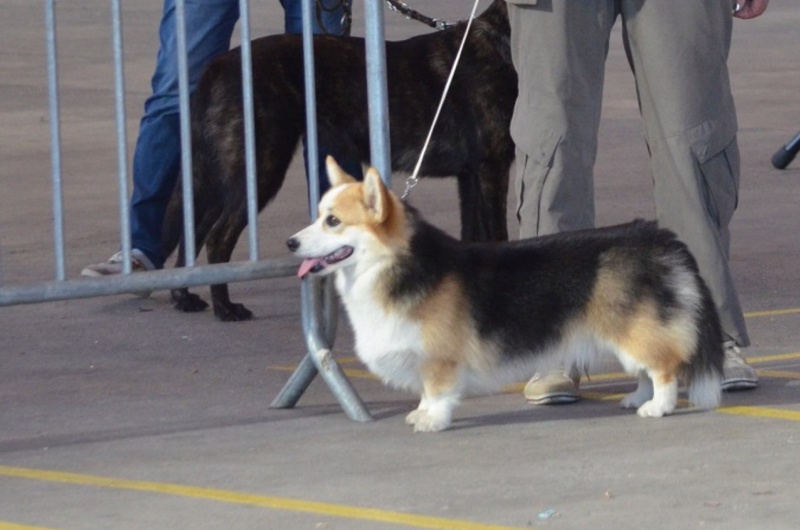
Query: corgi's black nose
(293, 244)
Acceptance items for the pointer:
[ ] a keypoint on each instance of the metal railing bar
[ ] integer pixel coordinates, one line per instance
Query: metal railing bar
(319, 326)
(312, 146)
(55, 140)
(377, 89)
(122, 146)
(249, 129)
(186, 133)
(318, 310)
(148, 281)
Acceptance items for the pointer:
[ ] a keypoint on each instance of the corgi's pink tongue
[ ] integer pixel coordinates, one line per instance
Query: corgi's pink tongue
(307, 265)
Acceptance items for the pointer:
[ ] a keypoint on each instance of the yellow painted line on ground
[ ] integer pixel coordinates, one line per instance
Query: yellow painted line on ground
(250, 499)
(762, 412)
(601, 396)
(778, 374)
(773, 358)
(755, 412)
(12, 526)
(355, 373)
(773, 313)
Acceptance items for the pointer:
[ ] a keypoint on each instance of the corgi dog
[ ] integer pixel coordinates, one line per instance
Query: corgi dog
(443, 318)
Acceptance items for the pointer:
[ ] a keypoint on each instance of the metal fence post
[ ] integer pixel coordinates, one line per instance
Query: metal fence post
(318, 305)
(55, 139)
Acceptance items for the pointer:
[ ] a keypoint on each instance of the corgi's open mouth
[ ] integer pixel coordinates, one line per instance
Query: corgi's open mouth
(315, 265)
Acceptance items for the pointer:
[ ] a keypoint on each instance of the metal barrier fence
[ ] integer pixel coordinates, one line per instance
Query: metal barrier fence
(318, 307)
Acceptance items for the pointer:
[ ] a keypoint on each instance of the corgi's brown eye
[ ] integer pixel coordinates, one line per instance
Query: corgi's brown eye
(332, 221)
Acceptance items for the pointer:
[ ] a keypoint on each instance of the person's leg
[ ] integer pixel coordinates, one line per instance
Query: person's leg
(331, 17)
(559, 50)
(156, 159)
(678, 51)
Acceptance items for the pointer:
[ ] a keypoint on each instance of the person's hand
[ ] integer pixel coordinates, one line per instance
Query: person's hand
(750, 8)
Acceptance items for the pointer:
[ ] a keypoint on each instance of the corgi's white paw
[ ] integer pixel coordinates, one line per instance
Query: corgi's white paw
(652, 409)
(413, 417)
(424, 421)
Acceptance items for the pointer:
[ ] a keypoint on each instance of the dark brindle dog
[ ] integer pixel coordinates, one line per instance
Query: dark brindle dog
(471, 140)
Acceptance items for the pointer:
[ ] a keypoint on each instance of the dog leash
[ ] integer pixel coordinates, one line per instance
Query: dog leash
(412, 180)
(412, 14)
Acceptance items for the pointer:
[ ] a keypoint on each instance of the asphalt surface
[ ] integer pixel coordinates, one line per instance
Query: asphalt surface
(122, 413)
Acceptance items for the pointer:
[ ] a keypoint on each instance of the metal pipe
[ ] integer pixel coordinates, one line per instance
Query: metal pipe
(377, 91)
(147, 281)
(249, 129)
(55, 140)
(122, 142)
(186, 134)
(318, 305)
(312, 146)
(318, 317)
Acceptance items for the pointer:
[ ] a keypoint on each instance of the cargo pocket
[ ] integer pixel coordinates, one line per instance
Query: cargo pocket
(718, 164)
(533, 169)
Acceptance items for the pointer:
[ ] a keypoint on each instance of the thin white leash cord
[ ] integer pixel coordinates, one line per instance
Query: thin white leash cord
(413, 179)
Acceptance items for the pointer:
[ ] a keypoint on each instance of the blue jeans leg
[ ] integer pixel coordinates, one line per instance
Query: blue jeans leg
(156, 159)
(334, 16)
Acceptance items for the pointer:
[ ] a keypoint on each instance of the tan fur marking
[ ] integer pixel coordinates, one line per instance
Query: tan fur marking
(439, 376)
(352, 209)
(448, 333)
(635, 326)
(349, 207)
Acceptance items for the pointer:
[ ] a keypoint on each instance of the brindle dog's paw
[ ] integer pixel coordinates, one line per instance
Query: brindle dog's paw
(232, 312)
(183, 300)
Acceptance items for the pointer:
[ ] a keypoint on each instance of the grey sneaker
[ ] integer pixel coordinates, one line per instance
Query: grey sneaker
(552, 388)
(139, 263)
(737, 374)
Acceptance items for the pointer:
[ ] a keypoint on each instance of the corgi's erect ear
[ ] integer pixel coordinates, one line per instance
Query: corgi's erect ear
(336, 175)
(376, 195)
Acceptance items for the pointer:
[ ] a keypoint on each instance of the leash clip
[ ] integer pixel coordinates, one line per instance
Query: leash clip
(443, 24)
(410, 183)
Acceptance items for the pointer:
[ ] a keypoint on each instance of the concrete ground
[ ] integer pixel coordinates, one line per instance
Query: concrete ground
(122, 413)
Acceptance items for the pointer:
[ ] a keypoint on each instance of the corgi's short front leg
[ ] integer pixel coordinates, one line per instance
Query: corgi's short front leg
(436, 417)
(441, 394)
(415, 415)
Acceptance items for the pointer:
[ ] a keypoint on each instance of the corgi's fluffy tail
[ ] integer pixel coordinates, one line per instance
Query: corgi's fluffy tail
(705, 390)
(704, 374)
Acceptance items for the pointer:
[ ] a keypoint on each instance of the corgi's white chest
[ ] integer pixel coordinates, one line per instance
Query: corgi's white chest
(388, 344)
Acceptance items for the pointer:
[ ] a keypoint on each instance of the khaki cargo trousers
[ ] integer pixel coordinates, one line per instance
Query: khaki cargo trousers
(677, 50)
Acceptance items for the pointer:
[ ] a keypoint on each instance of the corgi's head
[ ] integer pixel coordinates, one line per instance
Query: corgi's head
(358, 222)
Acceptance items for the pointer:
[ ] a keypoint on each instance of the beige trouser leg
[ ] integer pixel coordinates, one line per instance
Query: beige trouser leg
(678, 51)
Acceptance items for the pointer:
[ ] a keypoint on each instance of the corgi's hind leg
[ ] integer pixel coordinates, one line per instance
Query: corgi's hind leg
(665, 396)
(642, 394)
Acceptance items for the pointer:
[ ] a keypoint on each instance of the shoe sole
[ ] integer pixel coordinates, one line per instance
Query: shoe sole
(738, 384)
(553, 399)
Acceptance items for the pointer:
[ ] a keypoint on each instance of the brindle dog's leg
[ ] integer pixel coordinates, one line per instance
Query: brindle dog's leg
(483, 194)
